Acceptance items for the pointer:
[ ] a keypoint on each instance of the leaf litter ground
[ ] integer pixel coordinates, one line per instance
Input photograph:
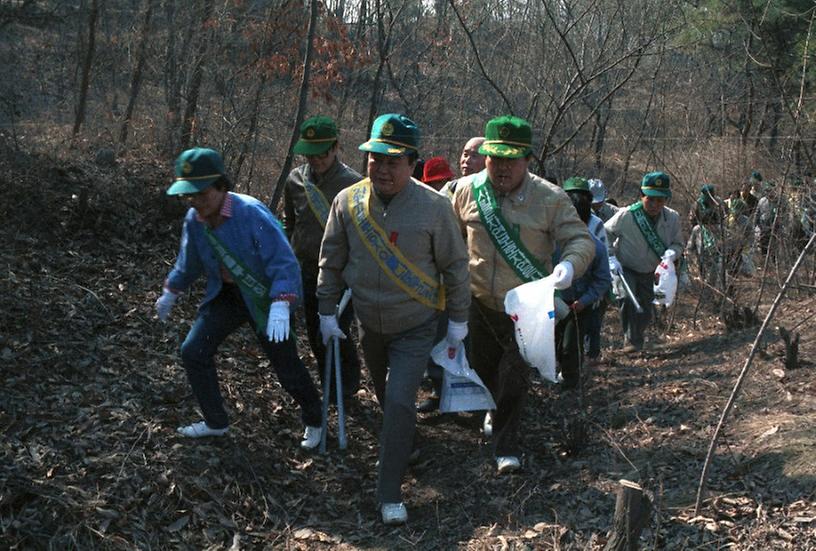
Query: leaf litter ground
(93, 391)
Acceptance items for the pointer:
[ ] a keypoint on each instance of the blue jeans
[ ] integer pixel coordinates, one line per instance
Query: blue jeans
(215, 322)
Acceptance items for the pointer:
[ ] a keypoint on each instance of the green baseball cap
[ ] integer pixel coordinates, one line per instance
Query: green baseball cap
(655, 184)
(507, 136)
(576, 183)
(196, 170)
(317, 135)
(394, 135)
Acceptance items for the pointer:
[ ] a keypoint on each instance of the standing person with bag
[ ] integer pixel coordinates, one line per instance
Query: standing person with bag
(309, 192)
(640, 235)
(252, 276)
(392, 240)
(512, 220)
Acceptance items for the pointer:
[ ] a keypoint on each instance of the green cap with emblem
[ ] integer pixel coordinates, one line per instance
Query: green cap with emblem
(655, 184)
(576, 183)
(196, 170)
(507, 136)
(394, 135)
(317, 135)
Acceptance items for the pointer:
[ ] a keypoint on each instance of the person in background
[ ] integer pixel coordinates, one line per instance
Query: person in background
(512, 220)
(640, 235)
(310, 189)
(470, 162)
(393, 241)
(252, 276)
(436, 172)
(584, 296)
(579, 190)
(601, 207)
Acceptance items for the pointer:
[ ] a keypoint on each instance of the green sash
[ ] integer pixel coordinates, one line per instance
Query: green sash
(647, 228)
(317, 203)
(418, 285)
(512, 250)
(249, 283)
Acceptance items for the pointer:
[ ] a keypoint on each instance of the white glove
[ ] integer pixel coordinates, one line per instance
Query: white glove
(329, 328)
(614, 266)
(165, 303)
(457, 331)
(562, 275)
(669, 255)
(277, 326)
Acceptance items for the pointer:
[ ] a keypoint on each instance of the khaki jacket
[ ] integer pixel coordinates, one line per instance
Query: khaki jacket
(302, 227)
(421, 222)
(544, 216)
(626, 241)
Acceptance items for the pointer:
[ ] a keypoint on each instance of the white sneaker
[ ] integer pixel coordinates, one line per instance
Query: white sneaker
(200, 430)
(508, 464)
(487, 426)
(394, 513)
(311, 438)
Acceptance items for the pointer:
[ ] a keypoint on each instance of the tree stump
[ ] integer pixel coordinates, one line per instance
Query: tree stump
(791, 348)
(632, 512)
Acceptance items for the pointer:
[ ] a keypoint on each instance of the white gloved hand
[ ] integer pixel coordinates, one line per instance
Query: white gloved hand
(277, 326)
(614, 266)
(330, 328)
(669, 255)
(165, 303)
(562, 275)
(457, 331)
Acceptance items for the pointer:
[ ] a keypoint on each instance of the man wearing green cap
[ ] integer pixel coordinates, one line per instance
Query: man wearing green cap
(640, 236)
(392, 240)
(512, 221)
(252, 276)
(309, 191)
(585, 294)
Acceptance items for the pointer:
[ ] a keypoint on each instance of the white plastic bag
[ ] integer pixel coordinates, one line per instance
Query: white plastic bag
(665, 286)
(462, 389)
(532, 308)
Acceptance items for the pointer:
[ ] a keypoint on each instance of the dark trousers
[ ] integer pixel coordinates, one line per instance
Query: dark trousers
(595, 326)
(495, 356)
(634, 324)
(215, 321)
(396, 363)
(350, 363)
(569, 344)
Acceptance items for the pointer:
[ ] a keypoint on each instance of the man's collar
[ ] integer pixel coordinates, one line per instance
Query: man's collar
(226, 208)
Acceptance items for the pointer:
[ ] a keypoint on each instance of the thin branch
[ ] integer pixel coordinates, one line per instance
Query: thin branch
(479, 59)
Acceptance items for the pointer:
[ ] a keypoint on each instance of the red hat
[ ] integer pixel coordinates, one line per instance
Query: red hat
(436, 169)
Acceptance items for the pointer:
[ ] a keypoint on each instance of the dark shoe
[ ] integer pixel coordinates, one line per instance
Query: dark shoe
(568, 384)
(428, 405)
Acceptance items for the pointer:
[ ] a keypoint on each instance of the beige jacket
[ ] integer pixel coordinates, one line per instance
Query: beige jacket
(302, 227)
(422, 224)
(626, 241)
(544, 215)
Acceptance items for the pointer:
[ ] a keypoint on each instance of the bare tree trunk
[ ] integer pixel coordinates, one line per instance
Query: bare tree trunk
(86, 67)
(195, 81)
(136, 79)
(304, 91)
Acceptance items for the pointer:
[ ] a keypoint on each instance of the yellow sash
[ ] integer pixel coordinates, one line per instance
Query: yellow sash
(418, 285)
(318, 203)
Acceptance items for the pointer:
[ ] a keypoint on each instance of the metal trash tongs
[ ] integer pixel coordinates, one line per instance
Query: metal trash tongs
(334, 350)
(629, 293)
